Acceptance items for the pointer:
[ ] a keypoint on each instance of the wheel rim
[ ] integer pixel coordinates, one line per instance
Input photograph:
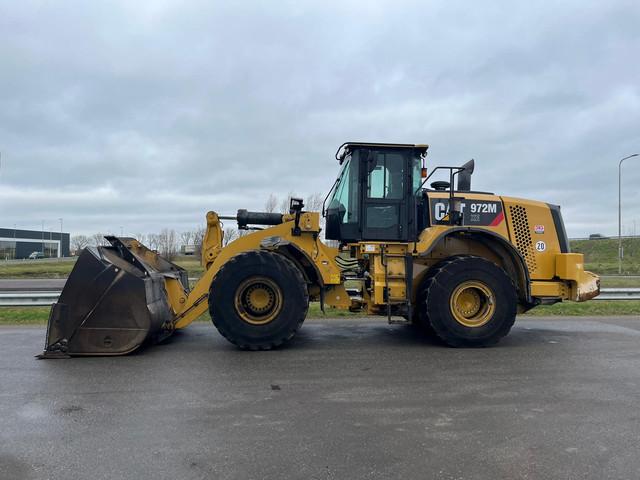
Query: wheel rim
(258, 300)
(472, 304)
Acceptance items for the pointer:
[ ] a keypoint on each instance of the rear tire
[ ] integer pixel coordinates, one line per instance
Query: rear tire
(420, 320)
(258, 300)
(468, 301)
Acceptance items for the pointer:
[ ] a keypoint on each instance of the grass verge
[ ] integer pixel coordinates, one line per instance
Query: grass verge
(24, 315)
(62, 269)
(37, 269)
(588, 309)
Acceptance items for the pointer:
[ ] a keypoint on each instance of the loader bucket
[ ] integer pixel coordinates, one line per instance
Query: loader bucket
(114, 301)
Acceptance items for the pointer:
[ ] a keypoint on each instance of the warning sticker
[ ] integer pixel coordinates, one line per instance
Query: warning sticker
(539, 228)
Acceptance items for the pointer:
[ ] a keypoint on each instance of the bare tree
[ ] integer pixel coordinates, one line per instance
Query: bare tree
(230, 234)
(271, 204)
(167, 243)
(314, 202)
(78, 242)
(142, 238)
(198, 239)
(185, 237)
(284, 205)
(98, 239)
(153, 241)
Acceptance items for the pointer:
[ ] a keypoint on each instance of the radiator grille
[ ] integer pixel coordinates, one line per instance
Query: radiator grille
(522, 234)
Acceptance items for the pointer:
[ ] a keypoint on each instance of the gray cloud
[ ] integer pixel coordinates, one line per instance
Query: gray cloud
(148, 114)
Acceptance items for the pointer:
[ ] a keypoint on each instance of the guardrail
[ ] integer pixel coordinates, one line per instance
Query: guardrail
(604, 237)
(619, 276)
(37, 299)
(28, 299)
(619, 294)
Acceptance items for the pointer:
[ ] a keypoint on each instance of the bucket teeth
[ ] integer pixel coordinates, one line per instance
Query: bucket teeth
(113, 302)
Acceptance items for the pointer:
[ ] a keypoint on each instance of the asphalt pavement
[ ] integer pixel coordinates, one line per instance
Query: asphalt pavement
(31, 284)
(347, 399)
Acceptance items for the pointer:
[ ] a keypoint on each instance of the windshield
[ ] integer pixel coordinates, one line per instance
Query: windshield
(417, 174)
(343, 197)
(336, 184)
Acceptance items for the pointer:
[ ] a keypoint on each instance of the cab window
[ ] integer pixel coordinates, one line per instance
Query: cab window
(386, 179)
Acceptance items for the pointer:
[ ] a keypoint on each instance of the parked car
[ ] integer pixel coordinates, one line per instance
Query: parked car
(36, 255)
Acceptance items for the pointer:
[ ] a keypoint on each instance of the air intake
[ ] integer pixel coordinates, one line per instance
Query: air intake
(522, 234)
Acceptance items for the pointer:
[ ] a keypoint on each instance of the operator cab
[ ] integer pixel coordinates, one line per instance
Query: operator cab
(374, 196)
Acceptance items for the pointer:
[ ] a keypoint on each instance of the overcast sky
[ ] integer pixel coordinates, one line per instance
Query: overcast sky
(147, 114)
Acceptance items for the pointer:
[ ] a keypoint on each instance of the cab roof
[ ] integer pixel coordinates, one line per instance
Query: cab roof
(349, 146)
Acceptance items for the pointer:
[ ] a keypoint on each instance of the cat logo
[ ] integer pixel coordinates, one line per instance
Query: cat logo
(474, 212)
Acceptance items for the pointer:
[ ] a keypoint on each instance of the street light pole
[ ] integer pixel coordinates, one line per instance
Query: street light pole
(60, 244)
(620, 211)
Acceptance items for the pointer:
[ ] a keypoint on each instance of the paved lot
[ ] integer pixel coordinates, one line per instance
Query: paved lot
(31, 284)
(558, 399)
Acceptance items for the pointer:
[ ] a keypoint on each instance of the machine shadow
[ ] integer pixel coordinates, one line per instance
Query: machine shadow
(328, 334)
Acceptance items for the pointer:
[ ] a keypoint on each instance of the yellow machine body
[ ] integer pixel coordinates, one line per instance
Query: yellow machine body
(541, 276)
(313, 257)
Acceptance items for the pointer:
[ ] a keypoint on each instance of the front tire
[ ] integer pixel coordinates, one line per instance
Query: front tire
(468, 301)
(258, 300)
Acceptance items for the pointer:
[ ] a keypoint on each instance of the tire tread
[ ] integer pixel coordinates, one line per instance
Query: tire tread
(431, 280)
(284, 265)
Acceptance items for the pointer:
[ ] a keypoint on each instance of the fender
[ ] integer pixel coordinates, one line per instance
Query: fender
(489, 239)
(298, 255)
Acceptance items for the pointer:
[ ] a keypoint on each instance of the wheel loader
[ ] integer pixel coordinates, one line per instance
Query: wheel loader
(457, 262)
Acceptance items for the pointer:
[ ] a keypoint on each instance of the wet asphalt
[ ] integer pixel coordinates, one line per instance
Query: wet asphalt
(31, 284)
(347, 399)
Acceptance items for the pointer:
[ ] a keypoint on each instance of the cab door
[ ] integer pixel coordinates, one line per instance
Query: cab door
(386, 185)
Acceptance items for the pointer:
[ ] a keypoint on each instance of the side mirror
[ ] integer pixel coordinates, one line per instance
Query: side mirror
(295, 205)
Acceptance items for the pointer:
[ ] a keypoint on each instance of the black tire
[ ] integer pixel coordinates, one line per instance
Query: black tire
(232, 316)
(419, 317)
(461, 274)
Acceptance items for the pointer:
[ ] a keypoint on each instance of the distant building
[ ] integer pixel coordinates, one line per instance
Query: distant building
(188, 249)
(16, 244)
